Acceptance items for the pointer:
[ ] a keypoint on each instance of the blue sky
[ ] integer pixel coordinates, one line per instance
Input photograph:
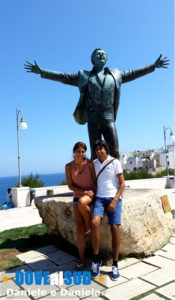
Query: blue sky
(61, 35)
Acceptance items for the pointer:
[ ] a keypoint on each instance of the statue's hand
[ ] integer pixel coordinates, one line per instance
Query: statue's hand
(32, 67)
(161, 63)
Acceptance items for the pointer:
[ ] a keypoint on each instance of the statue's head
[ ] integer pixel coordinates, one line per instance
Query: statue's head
(98, 57)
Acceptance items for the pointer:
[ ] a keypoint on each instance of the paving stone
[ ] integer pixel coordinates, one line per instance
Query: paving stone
(46, 289)
(29, 255)
(8, 285)
(47, 249)
(41, 265)
(19, 217)
(87, 290)
(10, 273)
(105, 270)
(127, 262)
(108, 282)
(172, 240)
(60, 257)
(93, 298)
(159, 261)
(35, 259)
(159, 252)
(35, 293)
(121, 264)
(70, 266)
(16, 296)
(59, 296)
(58, 284)
(161, 276)
(128, 290)
(168, 291)
(152, 297)
(137, 270)
(168, 251)
(169, 248)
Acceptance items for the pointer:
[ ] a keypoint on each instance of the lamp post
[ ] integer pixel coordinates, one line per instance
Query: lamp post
(168, 185)
(23, 125)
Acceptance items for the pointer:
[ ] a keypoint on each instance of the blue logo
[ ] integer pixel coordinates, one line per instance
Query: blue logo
(45, 278)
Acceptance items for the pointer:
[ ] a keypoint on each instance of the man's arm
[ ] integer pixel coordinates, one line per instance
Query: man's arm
(136, 73)
(71, 79)
(121, 183)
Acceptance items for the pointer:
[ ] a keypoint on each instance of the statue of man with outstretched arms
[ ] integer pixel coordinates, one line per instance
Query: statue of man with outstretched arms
(99, 95)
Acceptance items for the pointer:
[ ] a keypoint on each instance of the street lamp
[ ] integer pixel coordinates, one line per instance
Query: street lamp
(23, 126)
(168, 185)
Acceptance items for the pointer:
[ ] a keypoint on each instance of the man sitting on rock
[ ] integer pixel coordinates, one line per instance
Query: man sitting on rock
(110, 185)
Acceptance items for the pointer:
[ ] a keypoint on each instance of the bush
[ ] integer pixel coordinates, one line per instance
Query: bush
(140, 174)
(164, 173)
(64, 182)
(31, 181)
(144, 174)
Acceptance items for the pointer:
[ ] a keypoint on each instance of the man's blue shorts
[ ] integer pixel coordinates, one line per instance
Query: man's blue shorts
(100, 206)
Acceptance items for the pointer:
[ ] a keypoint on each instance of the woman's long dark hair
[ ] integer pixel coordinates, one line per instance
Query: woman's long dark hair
(79, 144)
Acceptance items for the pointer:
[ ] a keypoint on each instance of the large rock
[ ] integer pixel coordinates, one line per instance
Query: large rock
(145, 227)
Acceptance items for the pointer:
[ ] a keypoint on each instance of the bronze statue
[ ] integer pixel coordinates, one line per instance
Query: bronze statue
(99, 95)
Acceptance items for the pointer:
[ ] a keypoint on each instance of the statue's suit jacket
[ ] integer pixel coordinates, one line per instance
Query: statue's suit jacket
(80, 80)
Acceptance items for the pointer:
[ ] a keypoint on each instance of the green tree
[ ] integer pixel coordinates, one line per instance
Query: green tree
(31, 181)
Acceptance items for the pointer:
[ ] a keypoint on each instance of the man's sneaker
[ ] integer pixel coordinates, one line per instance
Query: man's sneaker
(95, 269)
(115, 273)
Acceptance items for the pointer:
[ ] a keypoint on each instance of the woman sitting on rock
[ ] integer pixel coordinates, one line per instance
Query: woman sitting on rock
(81, 179)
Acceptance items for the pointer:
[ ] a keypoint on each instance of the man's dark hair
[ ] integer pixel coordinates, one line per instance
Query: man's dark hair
(101, 144)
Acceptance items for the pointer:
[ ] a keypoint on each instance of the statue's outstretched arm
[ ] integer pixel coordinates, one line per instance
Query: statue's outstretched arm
(71, 79)
(161, 63)
(34, 68)
(136, 73)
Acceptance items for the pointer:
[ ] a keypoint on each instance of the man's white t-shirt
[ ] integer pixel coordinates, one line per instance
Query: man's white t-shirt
(107, 184)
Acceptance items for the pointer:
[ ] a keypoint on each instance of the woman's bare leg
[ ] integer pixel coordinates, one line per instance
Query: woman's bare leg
(95, 223)
(83, 205)
(80, 233)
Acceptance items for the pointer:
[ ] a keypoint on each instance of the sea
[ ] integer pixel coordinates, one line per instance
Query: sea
(9, 182)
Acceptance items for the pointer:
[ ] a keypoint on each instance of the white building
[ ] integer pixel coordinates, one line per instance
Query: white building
(170, 157)
(150, 160)
(123, 159)
(134, 163)
(149, 164)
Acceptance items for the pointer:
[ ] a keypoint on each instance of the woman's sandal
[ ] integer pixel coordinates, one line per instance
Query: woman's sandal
(79, 267)
(87, 233)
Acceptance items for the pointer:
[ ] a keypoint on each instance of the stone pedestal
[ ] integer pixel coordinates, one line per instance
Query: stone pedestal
(145, 227)
(21, 196)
